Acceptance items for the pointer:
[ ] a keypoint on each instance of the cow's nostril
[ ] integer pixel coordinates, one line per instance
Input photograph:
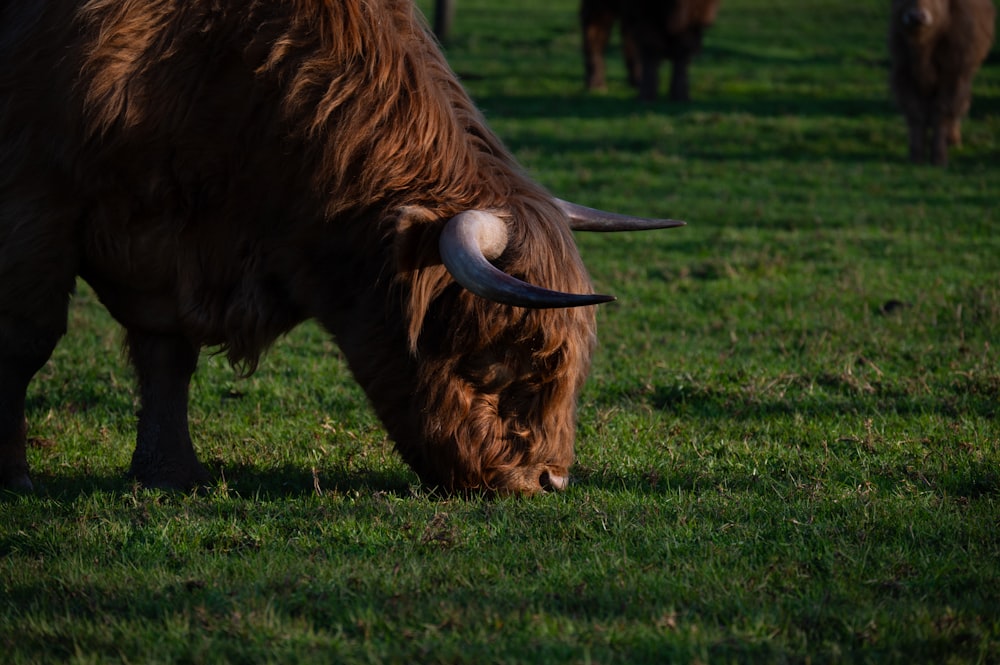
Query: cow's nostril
(917, 16)
(551, 482)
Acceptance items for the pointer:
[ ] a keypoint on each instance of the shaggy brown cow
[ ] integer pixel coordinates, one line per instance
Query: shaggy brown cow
(221, 171)
(936, 46)
(651, 31)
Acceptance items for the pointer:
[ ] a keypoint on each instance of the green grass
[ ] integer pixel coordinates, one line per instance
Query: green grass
(776, 462)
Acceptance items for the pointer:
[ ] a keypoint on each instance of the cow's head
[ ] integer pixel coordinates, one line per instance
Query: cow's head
(918, 16)
(495, 363)
(431, 268)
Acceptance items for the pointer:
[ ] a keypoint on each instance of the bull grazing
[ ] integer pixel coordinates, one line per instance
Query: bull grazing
(220, 171)
(652, 30)
(936, 47)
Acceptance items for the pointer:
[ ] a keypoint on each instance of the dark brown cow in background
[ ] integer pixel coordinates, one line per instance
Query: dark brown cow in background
(936, 47)
(444, 14)
(221, 170)
(652, 30)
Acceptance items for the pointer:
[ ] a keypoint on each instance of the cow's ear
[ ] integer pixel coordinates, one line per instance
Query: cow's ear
(419, 269)
(417, 231)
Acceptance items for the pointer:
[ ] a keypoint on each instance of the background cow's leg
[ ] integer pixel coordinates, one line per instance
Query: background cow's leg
(935, 135)
(916, 123)
(23, 350)
(953, 132)
(679, 83)
(164, 456)
(633, 63)
(939, 141)
(952, 114)
(649, 84)
(597, 22)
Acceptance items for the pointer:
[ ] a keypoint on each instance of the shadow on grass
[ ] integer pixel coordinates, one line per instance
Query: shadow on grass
(405, 612)
(841, 397)
(294, 481)
(587, 106)
(404, 626)
(725, 115)
(247, 481)
(962, 482)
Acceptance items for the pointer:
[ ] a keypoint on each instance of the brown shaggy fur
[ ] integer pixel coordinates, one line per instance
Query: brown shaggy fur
(936, 47)
(221, 170)
(651, 31)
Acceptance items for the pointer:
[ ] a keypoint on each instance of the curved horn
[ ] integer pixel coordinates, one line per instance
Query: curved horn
(470, 239)
(582, 218)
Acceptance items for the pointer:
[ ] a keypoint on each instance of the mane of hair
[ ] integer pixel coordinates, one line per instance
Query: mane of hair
(360, 92)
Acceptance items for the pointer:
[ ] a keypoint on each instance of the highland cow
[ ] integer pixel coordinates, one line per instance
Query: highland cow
(936, 47)
(652, 30)
(220, 171)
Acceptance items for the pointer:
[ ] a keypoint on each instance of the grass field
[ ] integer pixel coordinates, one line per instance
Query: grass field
(788, 451)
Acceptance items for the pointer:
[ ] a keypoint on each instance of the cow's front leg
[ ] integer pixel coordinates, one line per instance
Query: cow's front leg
(22, 352)
(164, 456)
(31, 322)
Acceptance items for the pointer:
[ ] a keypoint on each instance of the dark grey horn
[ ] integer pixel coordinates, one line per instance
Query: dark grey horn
(470, 239)
(582, 218)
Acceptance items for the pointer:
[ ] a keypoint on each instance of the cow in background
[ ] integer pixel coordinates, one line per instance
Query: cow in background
(935, 48)
(652, 30)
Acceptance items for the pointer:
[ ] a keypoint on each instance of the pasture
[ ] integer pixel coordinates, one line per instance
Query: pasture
(788, 449)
